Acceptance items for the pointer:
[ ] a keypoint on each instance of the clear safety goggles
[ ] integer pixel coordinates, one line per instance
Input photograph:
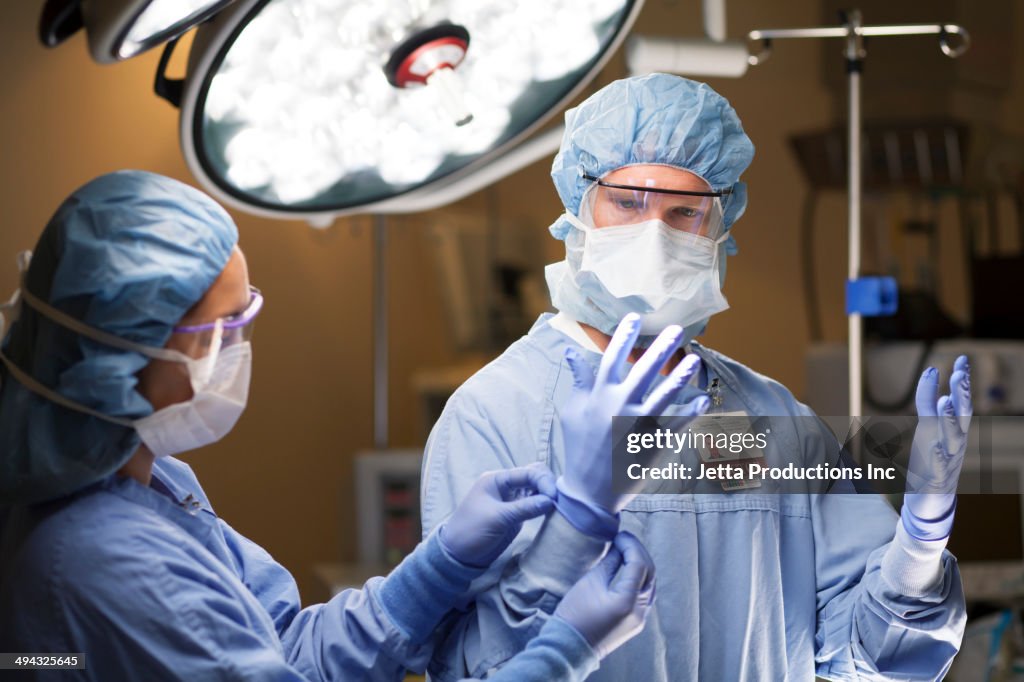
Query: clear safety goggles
(695, 212)
(232, 329)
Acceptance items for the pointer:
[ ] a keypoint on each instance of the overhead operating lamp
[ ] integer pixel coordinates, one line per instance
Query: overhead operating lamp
(121, 29)
(319, 108)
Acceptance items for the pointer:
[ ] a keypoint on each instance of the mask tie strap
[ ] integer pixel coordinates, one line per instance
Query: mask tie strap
(53, 396)
(577, 223)
(79, 327)
(9, 313)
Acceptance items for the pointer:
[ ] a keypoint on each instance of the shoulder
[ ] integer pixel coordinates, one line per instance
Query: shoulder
(101, 573)
(99, 540)
(499, 418)
(79, 563)
(524, 372)
(102, 553)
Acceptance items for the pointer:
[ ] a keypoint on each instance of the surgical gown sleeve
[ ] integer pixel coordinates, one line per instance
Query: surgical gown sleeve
(372, 633)
(347, 637)
(900, 614)
(513, 599)
(145, 600)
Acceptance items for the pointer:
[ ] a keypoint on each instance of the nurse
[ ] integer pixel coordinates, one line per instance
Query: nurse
(752, 586)
(132, 345)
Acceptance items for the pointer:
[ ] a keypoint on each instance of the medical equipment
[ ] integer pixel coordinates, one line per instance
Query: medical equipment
(283, 115)
(711, 56)
(121, 29)
(997, 374)
(854, 33)
(716, 57)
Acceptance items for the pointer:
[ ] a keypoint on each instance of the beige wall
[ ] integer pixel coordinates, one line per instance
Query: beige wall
(283, 476)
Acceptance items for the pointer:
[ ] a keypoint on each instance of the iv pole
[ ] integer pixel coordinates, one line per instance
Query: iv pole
(854, 32)
(380, 332)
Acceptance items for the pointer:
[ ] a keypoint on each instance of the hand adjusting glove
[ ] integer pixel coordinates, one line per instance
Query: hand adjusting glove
(937, 453)
(610, 603)
(585, 494)
(493, 511)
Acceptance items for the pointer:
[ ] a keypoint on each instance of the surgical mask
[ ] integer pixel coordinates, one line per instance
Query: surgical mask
(211, 413)
(665, 275)
(219, 380)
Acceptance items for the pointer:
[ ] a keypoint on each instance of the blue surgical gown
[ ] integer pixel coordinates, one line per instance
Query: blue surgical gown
(151, 585)
(750, 586)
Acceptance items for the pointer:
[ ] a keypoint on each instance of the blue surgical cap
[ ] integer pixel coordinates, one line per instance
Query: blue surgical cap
(128, 253)
(655, 119)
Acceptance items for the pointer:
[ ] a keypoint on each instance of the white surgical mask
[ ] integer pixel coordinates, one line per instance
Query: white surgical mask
(219, 380)
(665, 275)
(209, 415)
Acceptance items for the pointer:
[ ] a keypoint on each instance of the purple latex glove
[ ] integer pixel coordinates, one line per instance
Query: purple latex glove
(610, 603)
(493, 511)
(585, 492)
(937, 453)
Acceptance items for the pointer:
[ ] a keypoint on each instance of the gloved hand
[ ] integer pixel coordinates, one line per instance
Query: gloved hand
(610, 603)
(937, 453)
(585, 494)
(493, 511)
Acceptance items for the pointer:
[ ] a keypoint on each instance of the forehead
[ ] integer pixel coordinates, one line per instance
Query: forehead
(655, 176)
(228, 295)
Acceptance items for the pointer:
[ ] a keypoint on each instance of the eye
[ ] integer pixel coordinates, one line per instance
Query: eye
(685, 212)
(623, 201)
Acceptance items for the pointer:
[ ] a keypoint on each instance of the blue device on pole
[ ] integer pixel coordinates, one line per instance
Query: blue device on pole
(871, 296)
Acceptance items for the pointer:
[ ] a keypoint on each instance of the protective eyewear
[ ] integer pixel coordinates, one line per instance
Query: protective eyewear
(233, 328)
(692, 211)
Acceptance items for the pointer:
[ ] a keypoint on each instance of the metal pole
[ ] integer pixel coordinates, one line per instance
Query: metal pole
(380, 333)
(854, 31)
(854, 64)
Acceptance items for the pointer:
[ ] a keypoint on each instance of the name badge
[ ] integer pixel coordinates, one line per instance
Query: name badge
(728, 445)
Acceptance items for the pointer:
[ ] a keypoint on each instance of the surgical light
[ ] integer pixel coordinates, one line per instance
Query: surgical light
(320, 108)
(121, 29)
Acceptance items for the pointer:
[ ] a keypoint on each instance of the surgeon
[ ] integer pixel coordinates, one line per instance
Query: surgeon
(132, 345)
(752, 586)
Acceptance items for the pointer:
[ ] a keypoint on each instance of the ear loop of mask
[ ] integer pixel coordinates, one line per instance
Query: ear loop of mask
(10, 312)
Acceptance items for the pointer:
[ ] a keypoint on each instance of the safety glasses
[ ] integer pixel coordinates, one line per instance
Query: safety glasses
(695, 212)
(233, 328)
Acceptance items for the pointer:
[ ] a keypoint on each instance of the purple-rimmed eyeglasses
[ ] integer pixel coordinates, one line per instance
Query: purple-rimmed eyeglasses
(234, 328)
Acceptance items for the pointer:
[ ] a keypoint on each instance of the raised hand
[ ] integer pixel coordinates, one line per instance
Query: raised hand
(937, 453)
(587, 416)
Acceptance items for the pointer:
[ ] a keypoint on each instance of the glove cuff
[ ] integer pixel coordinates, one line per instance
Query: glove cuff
(913, 567)
(587, 518)
(928, 529)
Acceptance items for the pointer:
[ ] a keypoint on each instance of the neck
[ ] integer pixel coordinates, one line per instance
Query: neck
(140, 466)
(602, 340)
